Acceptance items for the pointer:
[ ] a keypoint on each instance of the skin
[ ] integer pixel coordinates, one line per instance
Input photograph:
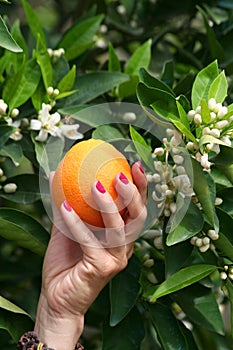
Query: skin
(74, 273)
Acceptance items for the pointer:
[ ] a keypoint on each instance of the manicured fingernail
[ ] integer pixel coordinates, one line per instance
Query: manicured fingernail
(100, 187)
(123, 179)
(141, 167)
(67, 206)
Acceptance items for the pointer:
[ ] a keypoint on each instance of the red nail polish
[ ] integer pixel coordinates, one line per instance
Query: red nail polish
(67, 206)
(141, 167)
(123, 179)
(100, 187)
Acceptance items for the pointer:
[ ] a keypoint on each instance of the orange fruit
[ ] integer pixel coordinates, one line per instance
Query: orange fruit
(86, 162)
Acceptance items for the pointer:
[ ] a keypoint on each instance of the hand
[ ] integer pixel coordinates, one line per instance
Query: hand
(74, 273)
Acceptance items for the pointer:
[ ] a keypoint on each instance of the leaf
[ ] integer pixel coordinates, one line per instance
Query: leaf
(205, 139)
(167, 327)
(204, 192)
(43, 60)
(223, 161)
(183, 124)
(41, 156)
(6, 39)
(33, 22)
(129, 333)
(7, 305)
(15, 323)
(142, 148)
(27, 189)
(21, 86)
(5, 132)
(200, 304)
(182, 279)
(168, 73)
(92, 85)
(165, 105)
(205, 112)
(107, 133)
(24, 230)
(191, 224)
(139, 59)
(124, 289)
(225, 242)
(153, 82)
(202, 83)
(218, 88)
(226, 194)
(67, 82)
(12, 151)
(80, 37)
(113, 61)
(229, 286)
(128, 88)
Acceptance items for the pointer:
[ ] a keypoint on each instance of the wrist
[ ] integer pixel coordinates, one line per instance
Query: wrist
(56, 330)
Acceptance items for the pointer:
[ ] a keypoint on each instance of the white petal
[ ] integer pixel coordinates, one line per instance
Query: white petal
(54, 119)
(70, 131)
(35, 124)
(44, 115)
(43, 135)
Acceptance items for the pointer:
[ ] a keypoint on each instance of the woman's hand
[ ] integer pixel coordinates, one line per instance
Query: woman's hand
(75, 271)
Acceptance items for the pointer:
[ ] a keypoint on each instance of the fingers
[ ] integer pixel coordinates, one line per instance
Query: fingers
(140, 180)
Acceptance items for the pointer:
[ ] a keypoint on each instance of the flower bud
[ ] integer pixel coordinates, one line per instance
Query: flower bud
(173, 208)
(218, 201)
(223, 275)
(149, 263)
(121, 9)
(217, 107)
(169, 132)
(50, 52)
(152, 278)
(221, 124)
(198, 109)
(215, 133)
(191, 115)
(197, 119)
(10, 188)
(156, 178)
(158, 243)
(212, 116)
(212, 103)
(50, 90)
(190, 146)
(178, 159)
(222, 112)
(3, 107)
(180, 170)
(198, 242)
(204, 248)
(149, 177)
(206, 131)
(56, 92)
(206, 240)
(226, 140)
(3, 178)
(129, 117)
(213, 234)
(193, 240)
(1, 172)
(159, 151)
(14, 113)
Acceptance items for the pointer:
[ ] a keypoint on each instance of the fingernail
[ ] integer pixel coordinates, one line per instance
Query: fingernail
(123, 179)
(141, 167)
(67, 206)
(100, 187)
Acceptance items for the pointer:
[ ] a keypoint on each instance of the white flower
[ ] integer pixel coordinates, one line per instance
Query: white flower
(71, 131)
(159, 151)
(205, 162)
(197, 118)
(16, 136)
(14, 113)
(212, 104)
(191, 114)
(221, 124)
(222, 112)
(215, 133)
(46, 123)
(183, 185)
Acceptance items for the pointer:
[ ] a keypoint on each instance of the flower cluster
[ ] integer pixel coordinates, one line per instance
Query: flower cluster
(204, 242)
(56, 54)
(213, 120)
(169, 179)
(8, 116)
(50, 124)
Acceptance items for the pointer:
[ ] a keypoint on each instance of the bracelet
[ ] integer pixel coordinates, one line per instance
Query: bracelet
(30, 341)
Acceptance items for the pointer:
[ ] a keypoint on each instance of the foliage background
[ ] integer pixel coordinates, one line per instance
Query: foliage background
(177, 40)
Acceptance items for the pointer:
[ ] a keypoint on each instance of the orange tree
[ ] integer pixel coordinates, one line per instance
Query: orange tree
(65, 68)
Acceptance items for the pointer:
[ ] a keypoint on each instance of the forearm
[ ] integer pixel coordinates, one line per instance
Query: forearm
(56, 331)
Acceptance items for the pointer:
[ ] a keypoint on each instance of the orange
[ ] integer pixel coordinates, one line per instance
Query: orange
(87, 162)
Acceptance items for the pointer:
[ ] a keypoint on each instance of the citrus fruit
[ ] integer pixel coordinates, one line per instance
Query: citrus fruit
(86, 162)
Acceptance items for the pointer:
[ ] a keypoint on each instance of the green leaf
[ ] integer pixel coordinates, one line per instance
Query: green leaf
(42, 156)
(202, 83)
(216, 50)
(67, 82)
(43, 60)
(33, 22)
(191, 224)
(122, 299)
(226, 194)
(182, 279)
(223, 161)
(229, 286)
(7, 305)
(27, 189)
(12, 151)
(92, 85)
(128, 88)
(153, 82)
(5, 132)
(218, 88)
(140, 59)
(113, 61)
(129, 333)
(39, 96)
(167, 327)
(15, 323)
(21, 86)
(6, 39)
(225, 242)
(167, 75)
(204, 191)
(142, 148)
(24, 230)
(165, 105)
(183, 124)
(199, 303)
(107, 133)
(80, 37)
(205, 112)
